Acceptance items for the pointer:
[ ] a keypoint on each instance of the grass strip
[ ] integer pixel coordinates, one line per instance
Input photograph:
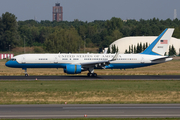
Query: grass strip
(89, 92)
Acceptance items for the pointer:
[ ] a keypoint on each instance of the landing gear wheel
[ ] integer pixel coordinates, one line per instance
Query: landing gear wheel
(89, 74)
(94, 75)
(26, 74)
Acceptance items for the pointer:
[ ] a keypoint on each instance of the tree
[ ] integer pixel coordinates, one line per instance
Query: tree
(44, 32)
(8, 31)
(1, 33)
(108, 50)
(99, 33)
(113, 47)
(107, 41)
(135, 49)
(116, 35)
(63, 40)
(140, 48)
(144, 47)
(82, 31)
(113, 24)
(176, 32)
(146, 44)
(172, 51)
(126, 51)
(117, 49)
(132, 49)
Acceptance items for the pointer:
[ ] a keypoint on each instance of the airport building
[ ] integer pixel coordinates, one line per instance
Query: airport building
(57, 12)
(124, 43)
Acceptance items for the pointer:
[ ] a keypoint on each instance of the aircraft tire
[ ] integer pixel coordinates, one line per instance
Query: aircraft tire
(90, 74)
(26, 75)
(94, 75)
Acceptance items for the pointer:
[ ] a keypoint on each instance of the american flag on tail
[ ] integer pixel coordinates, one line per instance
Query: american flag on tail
(164, 41)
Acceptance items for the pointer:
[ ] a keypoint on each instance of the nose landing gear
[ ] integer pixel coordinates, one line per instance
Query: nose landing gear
(26, 74)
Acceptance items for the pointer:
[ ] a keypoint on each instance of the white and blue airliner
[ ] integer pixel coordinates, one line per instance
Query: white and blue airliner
(77, 63)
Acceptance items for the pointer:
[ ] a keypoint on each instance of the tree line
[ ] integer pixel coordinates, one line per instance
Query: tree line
(71, 36)
(141, 47)
(137, 49)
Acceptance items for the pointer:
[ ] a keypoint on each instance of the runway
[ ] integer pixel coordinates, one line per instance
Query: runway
(92, 111)
(110, 77)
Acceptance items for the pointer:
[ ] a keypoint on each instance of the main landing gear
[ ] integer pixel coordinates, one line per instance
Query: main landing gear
(91, 73)
(26, 74)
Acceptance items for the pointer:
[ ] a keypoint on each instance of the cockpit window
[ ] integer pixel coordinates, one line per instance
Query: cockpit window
(13, 59)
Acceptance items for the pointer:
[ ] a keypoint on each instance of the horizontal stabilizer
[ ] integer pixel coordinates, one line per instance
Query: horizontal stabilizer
(163, 59)
(160, 58)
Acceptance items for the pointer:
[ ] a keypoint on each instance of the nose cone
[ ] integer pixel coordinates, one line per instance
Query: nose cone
(13, 64)
(8, 64)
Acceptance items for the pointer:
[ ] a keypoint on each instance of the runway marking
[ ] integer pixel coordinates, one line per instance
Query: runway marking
(115, 110)
(43, 116)
(121, 107)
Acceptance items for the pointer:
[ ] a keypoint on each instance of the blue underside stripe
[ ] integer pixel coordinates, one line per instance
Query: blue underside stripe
(15, 64)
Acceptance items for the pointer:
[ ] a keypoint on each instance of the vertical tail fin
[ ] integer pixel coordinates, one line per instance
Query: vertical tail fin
(160, 44)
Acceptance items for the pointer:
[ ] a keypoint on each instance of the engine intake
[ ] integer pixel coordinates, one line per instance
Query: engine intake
(72, 69)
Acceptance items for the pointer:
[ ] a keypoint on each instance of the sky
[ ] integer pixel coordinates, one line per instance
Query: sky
(90, 10)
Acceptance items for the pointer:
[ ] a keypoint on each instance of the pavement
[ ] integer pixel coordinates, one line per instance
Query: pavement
(91, 110)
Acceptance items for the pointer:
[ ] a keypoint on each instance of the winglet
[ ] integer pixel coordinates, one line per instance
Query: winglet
(105, 50)
(115, 57)
(160, 44)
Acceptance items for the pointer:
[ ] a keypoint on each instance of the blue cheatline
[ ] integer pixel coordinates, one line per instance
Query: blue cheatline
(15, 64)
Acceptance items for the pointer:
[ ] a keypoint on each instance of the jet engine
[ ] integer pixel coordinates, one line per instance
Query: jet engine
(72, 69)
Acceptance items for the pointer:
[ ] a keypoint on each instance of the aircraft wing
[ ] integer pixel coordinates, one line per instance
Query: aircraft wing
(99, 64)
(115, 57)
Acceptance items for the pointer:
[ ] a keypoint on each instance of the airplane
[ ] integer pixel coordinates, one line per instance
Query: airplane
(77, 63)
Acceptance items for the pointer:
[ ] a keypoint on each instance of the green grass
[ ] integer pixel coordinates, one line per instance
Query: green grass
(91, 92)
(88, 85)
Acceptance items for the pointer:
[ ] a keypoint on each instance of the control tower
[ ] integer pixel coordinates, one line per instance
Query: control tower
(57, 12)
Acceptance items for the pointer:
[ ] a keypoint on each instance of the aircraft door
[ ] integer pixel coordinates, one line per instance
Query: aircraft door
(142, 60)
(55, 59)
(23, 59)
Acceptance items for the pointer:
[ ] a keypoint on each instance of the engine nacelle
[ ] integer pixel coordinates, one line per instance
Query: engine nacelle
(72, 69)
